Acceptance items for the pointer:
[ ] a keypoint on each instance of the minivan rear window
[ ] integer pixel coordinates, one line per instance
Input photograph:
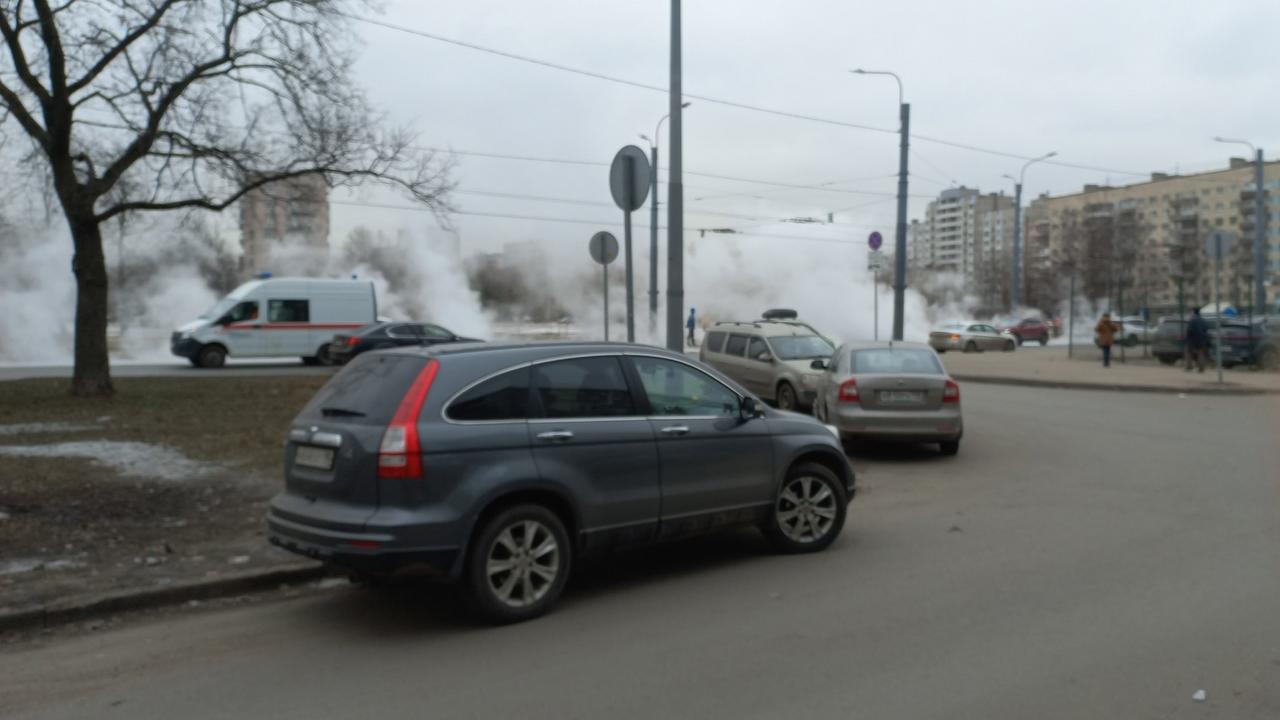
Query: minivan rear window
(367, 391)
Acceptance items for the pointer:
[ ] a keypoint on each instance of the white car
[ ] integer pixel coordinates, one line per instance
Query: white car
(971, 337)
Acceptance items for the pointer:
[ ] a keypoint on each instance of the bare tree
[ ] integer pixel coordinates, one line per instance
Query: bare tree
(128, 106)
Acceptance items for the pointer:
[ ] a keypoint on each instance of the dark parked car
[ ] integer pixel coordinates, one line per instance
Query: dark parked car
(1169, 340)
(1030, 330)
(388, 335)
(499, 466)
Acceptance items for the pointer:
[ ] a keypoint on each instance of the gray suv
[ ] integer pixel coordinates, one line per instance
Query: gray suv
(500, 466)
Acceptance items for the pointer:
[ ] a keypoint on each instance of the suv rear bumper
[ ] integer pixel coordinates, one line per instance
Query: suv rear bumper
(373, 551)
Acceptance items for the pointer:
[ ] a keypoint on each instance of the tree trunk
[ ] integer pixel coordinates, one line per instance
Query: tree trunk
(92, 375)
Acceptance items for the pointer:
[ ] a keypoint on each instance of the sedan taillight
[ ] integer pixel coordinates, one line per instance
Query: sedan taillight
(848, 391)
(951, 393)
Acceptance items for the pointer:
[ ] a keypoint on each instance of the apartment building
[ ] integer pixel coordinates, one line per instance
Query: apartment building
(1145, 241)
(963, 231)
(292, 212)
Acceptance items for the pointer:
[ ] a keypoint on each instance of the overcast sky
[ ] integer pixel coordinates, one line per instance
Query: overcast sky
(1128, 86)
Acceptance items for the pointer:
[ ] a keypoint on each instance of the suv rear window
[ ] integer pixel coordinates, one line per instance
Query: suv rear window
(714, 341)
(505, 397)
(367, 391)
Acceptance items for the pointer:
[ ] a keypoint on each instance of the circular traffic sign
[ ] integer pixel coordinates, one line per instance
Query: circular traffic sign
(603, 247)
(629, 178)
(875, 241)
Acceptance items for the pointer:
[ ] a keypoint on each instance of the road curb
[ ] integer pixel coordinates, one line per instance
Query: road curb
(1110, 387)
(51, 615)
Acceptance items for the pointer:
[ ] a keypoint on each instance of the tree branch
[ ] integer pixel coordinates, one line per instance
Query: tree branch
(122, 45)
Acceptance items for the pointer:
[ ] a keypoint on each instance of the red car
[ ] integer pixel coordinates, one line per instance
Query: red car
(1031, 329)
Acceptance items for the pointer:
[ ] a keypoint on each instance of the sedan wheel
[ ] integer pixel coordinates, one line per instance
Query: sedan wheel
(808, 512)
(971, 347)
(519, 564)
(1009, 346)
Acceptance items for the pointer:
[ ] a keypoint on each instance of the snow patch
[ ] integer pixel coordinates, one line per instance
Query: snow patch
(131, 459)
(21, 565)
(42, 427)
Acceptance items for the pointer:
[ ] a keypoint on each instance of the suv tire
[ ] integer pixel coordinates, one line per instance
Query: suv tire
(212, 357)
(786, 396)
(808, 512)
(518, 564)
(1044, 339)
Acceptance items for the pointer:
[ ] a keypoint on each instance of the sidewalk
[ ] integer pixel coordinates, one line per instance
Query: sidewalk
(1050, 367)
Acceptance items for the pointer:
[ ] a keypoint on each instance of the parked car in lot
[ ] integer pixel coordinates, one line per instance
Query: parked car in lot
(1030, 330)
(1244, 341)
(891, 391)
(499, 466)
(384, 335)
(771, 358)
(1168, 341)
(971, 337)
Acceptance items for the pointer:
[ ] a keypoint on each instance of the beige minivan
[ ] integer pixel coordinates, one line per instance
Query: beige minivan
(771, 358)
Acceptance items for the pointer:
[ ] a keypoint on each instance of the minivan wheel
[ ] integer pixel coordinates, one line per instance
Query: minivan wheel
(212, 356)
(808, 512)
(518, 564)
(786, 396)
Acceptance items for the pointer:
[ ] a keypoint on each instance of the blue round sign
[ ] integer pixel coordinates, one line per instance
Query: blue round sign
(875, 241)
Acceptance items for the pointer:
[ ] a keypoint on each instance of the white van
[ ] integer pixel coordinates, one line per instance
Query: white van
(276, 317)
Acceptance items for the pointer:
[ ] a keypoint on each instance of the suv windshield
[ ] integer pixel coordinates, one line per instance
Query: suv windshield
(800, 347)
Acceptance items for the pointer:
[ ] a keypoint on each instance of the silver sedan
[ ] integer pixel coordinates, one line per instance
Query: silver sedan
(971, 337)
(891, 391)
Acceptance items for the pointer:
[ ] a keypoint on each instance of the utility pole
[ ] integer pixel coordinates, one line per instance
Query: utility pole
(653, 238)
(675, 198)
(1015, 291)
(900, 236)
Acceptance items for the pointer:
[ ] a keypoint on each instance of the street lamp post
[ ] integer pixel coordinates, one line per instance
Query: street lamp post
(653, 221)
(675, 194)
(1015, 289)
(1259, 227)
(900, 237)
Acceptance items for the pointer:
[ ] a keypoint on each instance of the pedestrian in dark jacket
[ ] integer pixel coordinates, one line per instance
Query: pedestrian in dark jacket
(1197, 346)
(691, 323)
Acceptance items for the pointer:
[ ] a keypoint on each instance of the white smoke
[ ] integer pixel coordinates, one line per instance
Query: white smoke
(37, 296)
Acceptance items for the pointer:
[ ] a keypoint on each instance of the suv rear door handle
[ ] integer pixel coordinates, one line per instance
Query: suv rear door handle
(556, 435)
(675, 430)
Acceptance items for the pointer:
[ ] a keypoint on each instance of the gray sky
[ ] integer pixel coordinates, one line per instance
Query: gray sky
(1131, 86)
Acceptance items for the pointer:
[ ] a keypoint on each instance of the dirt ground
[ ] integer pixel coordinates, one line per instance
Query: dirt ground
(168, 481)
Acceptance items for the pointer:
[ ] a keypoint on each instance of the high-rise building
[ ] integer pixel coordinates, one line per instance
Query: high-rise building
(1142, 245)
(287, 217)
(963, 231)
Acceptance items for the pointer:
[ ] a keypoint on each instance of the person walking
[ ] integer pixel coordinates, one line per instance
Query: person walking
(691, 323)
(1106, 330)
(1197, 345)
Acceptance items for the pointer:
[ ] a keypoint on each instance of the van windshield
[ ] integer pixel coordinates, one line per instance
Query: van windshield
(221, 308)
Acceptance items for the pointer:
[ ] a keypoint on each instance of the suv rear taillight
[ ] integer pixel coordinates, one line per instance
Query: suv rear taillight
(951, 393)
(848, 391)
(400, 454)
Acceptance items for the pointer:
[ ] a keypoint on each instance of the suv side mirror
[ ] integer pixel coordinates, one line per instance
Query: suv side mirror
(751, 408)
(765, 356)
(818, 364)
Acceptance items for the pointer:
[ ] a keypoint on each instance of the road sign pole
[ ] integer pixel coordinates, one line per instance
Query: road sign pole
(604, 250)
(626, 239)
(1217, 304)
(875, 303)
(606, 303)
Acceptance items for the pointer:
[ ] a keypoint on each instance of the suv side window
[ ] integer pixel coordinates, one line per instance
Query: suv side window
(757, 349)
(736, 346)
(583, 387)
(505, 397)
(288, 311)
(674, 388)
(714, 341)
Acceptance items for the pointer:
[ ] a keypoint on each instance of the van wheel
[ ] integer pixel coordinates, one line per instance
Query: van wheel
(518, 564)
(211, 357)
(808, 512)
(786, 396)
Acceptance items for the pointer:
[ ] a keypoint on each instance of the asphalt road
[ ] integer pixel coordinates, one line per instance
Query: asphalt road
(1085, 556)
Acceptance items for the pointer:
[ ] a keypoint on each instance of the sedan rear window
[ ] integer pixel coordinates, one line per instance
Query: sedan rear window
(896, 362)
(367, 391)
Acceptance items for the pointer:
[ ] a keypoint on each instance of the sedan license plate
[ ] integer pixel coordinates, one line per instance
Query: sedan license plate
(314, 457)
(901, 397)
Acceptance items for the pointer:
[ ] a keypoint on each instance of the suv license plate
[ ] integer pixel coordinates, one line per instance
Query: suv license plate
(314, 457)
(901, 397)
